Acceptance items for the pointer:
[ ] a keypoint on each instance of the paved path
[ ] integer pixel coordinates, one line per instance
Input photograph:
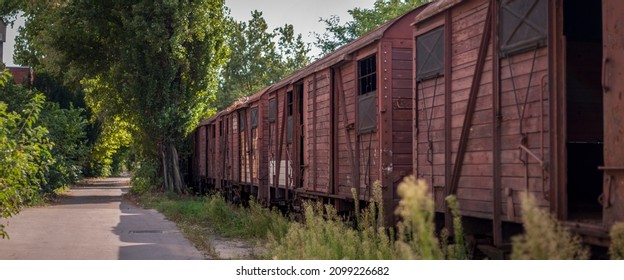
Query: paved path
(94, 222)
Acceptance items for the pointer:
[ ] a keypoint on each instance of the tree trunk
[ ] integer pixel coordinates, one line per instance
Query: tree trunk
(171, 169)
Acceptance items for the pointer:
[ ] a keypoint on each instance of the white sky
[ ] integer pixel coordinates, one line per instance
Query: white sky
(304, 15)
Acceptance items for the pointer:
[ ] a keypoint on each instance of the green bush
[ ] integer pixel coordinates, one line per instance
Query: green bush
(145, 177)
(68, 130)
(24, 148)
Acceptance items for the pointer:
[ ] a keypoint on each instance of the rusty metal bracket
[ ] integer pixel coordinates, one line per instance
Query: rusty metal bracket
(533, 155)
(605, 198)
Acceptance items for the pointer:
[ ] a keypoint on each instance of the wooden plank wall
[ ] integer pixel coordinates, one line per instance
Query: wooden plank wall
(261, 163)
(220, 146)
(345, 180)
(317, 123)
(429, 159)
(476, 182)
(210, 153)
(244, 137)
(402, 113)
(201, 159)
(476, 179)
(201, 148)
(235, 151)
(271, 134)
(535, 126)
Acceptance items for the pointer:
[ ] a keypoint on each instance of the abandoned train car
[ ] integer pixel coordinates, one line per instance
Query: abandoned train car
(514, 96)
(484, 99)
(342, 122)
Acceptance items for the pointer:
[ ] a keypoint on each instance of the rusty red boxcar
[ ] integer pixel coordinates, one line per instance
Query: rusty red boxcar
(515, 96)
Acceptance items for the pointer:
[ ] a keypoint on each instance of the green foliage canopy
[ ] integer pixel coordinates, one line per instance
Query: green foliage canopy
(258, 57)
(149, 65)
(364, 20)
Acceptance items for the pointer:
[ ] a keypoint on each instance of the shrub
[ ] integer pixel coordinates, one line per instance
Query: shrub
(67, 129)
(145, 177)
(24, 148)
(544, 237)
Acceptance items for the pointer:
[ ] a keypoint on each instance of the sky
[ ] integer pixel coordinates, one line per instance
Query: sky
(304, 15)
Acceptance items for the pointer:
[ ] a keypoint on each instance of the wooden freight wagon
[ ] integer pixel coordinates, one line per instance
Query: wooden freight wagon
(216, 153)
(199, 159)
(204, 163)
(248, 139)
(344, 121)
(522, 95)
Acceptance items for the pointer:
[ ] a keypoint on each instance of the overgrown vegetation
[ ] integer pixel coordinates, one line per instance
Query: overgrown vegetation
(24, 147)
(42, 147)
(544, 237)
(616, 250)
(325, 235)
(199, 217)
(67, 130)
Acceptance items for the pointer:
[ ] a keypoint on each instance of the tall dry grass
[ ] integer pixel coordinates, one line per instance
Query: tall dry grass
(325, 235)
(616, 250)
(544, 237)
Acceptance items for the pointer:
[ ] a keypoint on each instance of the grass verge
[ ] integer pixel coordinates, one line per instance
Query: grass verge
(200, 218)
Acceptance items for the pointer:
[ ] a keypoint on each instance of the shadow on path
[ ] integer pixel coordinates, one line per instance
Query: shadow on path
(93, 221)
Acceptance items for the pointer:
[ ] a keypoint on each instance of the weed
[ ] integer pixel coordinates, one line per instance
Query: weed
(324, 235)
(457, 251)
(616, 250)
(417, 230)
(544, 237)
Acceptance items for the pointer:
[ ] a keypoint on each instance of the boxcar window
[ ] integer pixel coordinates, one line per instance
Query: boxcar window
(289, 125)
(254, 117)
(272, 110)
(430, 54)
(367, 98)
(368, 75)
(523, 25)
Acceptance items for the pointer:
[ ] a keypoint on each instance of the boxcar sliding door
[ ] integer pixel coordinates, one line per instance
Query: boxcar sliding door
(613, 87)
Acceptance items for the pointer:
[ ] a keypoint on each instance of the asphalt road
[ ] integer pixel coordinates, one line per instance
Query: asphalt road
(94, 223)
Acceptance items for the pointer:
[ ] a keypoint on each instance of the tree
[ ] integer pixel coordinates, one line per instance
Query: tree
(364, 20)
(67, 130)
(258, 57)
(150, 63)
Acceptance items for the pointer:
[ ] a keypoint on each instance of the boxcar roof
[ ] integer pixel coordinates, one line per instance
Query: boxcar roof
(435, 8)
(211, 119)
(343, 52)
(246, 101)
(328, 60)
